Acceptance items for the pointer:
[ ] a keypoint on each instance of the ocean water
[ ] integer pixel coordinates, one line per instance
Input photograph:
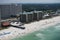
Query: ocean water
(51, 33)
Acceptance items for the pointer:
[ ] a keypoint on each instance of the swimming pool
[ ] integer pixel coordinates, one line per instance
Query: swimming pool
(51, 33)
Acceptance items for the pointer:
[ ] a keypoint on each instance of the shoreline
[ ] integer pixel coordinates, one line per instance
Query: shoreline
(31, 27)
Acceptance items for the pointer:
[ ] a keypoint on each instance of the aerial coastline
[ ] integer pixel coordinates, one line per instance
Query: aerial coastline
(35, 26)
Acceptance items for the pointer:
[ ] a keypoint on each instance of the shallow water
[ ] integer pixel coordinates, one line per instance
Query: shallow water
(51, 33)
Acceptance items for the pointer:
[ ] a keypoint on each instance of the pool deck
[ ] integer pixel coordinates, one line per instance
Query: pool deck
(31, 27)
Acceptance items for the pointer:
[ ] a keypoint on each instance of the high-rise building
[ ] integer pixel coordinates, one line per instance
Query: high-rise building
(0, 18)
(10, 9)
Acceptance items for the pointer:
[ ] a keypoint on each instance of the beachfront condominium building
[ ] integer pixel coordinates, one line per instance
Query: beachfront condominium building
(6, 10)
(0, 17)
(0, 14)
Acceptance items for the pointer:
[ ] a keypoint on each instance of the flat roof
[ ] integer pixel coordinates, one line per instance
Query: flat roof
(27, 13)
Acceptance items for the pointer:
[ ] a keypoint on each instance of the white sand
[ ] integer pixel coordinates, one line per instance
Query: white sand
(31, 27)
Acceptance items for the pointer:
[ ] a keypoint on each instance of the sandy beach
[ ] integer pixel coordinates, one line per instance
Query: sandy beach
(31, 27)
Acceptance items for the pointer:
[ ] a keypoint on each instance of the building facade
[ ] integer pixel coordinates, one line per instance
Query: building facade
(10, 9)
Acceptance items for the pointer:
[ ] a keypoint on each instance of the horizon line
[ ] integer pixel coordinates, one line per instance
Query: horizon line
(30, 3)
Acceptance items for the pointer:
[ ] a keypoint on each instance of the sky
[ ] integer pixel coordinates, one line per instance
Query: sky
(29, 1)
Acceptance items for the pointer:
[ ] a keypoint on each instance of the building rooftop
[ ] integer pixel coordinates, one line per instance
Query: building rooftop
(27, 13)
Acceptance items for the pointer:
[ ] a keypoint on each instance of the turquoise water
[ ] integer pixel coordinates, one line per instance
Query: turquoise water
(51, 33)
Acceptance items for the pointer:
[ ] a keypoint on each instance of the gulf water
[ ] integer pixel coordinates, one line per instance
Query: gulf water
(50, 33)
